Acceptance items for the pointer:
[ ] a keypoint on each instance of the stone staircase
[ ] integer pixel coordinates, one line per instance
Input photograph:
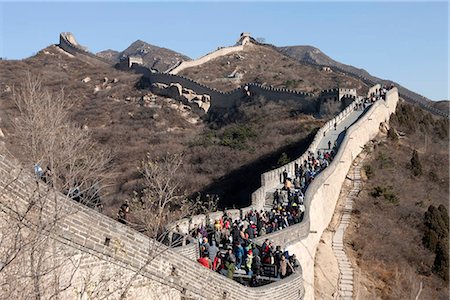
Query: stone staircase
(346, 271)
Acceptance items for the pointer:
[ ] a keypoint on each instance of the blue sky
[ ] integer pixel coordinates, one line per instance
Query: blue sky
(403, 41)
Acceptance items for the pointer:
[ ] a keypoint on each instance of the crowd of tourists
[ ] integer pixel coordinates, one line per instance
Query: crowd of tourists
(227, 247)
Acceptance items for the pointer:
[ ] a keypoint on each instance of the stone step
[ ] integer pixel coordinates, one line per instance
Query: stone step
(346, 294)
(346, 287)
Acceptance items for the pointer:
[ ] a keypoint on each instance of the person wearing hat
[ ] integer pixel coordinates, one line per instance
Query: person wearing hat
(230, 262)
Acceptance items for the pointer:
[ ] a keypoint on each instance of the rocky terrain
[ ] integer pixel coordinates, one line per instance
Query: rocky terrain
(226, 156)
(154, 57)
(131, 121)
(263, 64)
(385, 237)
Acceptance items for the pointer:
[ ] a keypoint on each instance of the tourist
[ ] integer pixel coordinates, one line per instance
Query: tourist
(248, 263)
(282, 267)
(204, 260)
(230, 263)
(122, 215)
(213, 251)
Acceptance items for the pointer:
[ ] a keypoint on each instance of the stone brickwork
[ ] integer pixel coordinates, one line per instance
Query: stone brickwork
(323, 192)
(204, 59)
(224, 100)
(103, 242)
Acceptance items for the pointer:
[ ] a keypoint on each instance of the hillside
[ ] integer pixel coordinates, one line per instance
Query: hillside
(443, 105)
(131, 121)
(316, 56)
(312, 55)
(153, 56)
(384, 239)
(263, 64)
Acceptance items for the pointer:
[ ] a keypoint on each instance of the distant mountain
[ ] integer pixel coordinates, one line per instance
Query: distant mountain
(109, 54)
(315, 56)
(154, 57)
(309, 54)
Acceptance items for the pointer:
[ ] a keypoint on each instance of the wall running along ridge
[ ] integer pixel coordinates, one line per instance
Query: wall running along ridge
(193, 63)
(82, 232)
(225, 100)
(68, 43)
(208, 57)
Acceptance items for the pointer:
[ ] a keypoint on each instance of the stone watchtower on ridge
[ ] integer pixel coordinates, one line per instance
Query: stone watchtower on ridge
(243, 39)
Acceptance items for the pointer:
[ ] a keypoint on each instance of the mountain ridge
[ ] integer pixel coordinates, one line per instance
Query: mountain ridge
(155, 57)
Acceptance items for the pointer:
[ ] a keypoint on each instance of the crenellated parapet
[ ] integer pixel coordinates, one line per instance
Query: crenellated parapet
(104, 248)
(225, 100)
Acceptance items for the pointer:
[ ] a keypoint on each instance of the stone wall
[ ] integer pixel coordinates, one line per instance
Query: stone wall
(210, 56)
(68, 43)
(323, 192)
(223, 101)
(271, 179)
(109, 246)
(374, 90)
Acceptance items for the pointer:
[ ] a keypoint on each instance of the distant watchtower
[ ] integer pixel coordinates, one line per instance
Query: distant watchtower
(135, 60)
(243, 39)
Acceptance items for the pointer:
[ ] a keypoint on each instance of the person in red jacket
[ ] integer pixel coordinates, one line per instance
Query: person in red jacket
(204, 260)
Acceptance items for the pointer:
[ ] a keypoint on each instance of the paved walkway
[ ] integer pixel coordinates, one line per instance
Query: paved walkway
(331, 135)
(338, 134)
(345, 283)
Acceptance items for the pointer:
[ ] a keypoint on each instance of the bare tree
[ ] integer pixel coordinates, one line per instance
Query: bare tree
(64, 151)
(161, 202)
(65, 159)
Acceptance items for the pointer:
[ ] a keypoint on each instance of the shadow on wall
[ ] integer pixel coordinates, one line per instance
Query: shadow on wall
(236, 187)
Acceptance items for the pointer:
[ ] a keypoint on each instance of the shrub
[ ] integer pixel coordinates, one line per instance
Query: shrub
(384, 160)
(386, 192)
(377, 191)
(236, 137)
(284, 159)
(392, 134)
(440, 265)
(369, 171)
(416, 166)
(436, 238)
(390, 196)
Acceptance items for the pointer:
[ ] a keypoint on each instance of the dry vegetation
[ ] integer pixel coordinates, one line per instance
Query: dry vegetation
(388, 225)
(264, 65)
(212, 151)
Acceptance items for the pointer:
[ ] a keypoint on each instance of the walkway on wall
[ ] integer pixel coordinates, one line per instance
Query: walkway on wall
(338, 134)
(332, 135)
(345, 283)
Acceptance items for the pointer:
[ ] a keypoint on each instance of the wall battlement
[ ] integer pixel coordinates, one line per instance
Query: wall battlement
(68, 43)
(225, 100)
(84, 231)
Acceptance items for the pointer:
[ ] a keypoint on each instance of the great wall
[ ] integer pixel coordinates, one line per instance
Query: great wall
(175, 274)
(108, 248)
(226, 100)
